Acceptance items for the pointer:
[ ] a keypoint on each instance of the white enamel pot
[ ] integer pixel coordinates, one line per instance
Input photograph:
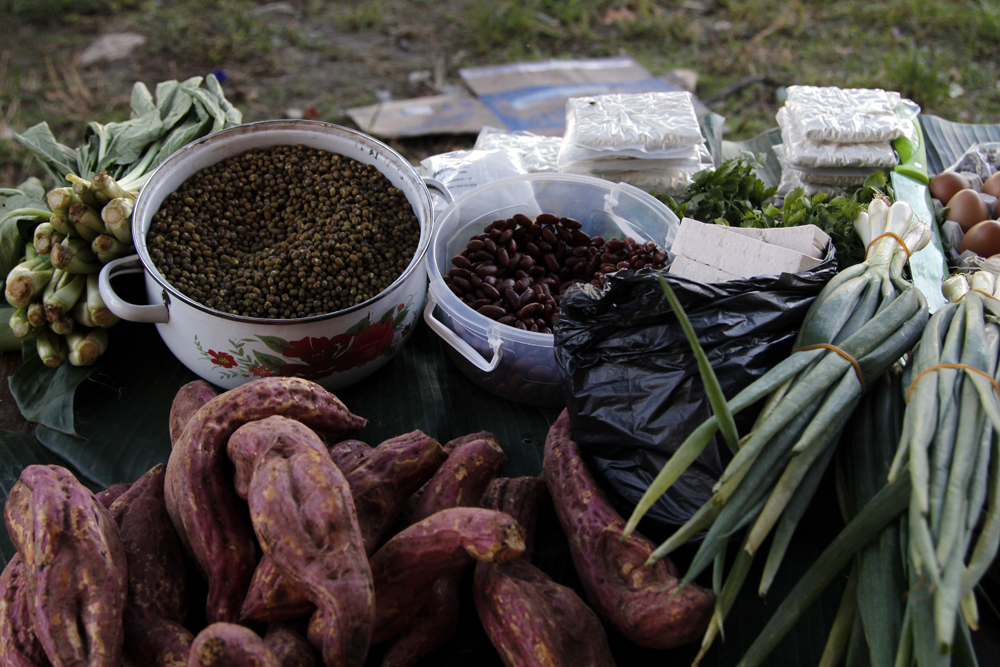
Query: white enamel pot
(333, 349)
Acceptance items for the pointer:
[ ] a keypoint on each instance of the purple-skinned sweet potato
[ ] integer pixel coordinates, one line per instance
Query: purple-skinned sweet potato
(461, 479)
(157, 573)
(289, 646)
(187, 401)
(209, 517)
(250, 441)
(535, 622)
(459, 482)
(380, 487)
(406, 516)
(110, 494)
(230, 645)
(349, 454)
(405, 568)
(74, 567)
(645, 604)
(153, 641)
(303, 514)
(530, 619)
(520, 497)
(434, 624)
(19, 647)
(157, 599)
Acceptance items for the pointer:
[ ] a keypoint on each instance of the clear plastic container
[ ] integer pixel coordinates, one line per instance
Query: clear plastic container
(515, 364)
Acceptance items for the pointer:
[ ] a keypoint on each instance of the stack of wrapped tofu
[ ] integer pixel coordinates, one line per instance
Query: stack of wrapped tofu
(709, 253)
(650, 140)
(834, 138)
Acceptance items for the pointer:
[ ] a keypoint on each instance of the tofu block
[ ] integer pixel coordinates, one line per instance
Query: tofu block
(740, 255)
(698, 272)
(807, 239)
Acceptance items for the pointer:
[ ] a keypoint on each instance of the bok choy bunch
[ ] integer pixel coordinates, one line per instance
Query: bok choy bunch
(862, 322)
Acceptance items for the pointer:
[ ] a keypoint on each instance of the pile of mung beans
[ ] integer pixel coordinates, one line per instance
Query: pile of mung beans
(284, 232)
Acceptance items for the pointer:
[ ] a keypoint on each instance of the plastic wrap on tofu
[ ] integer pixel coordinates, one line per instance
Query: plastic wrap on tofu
(632, 384)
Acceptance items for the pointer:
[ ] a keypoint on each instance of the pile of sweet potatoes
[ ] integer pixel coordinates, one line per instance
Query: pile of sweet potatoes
(270, 538)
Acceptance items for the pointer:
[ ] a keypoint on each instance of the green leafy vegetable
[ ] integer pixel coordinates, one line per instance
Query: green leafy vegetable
(733, 195)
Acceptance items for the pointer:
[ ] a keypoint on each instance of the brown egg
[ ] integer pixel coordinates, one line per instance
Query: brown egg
(992, 185)
(946, 184)
(967, 208)
(983, 239)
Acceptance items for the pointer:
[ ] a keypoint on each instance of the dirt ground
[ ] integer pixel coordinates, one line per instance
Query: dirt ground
(318, 58)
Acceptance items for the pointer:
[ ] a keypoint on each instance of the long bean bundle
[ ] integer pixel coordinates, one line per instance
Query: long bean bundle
(951, 451)
(862, 322)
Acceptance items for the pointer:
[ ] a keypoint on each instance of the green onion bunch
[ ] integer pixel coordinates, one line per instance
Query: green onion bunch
(950, 451)
(860, 324)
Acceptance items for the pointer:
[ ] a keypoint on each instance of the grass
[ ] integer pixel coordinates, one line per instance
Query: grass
(333, 55)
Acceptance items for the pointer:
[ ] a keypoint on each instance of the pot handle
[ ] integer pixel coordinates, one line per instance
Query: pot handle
(440, 188)
(128, 311)
(459, 345)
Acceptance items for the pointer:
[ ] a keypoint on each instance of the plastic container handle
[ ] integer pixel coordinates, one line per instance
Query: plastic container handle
(459, 345)
(157, 314)
(440, 189)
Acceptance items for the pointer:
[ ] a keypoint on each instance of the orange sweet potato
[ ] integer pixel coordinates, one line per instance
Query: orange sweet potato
(406, 567)
(188, 401)
(203, 505)
(302, 512)
(645, 604)
(73, 566)
(229, 645)
(19, 647)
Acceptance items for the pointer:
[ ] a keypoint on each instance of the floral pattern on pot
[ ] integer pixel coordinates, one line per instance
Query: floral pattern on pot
(312, 358)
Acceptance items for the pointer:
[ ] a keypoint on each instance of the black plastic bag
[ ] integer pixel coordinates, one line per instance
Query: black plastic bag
(632, 384)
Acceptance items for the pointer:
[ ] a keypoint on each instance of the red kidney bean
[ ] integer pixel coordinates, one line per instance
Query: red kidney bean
(490, 246)
(547, 219)
(492, 312)
(549, 235)
(461, 262)
(528, 296)
(490, 292)
(533, 328)
(580, 237)
(533, 250)
(520, 325)
(511, 297)
(597, 241)
(551, 263)
(535, 228)
(475, 245)
(505, 284)
(479, 303)
(543, 289)
(487, 270)
(536, 271)
(491, 280)
(503, 259)
(459, 273)
(530, 310)
(512, 246)
(573, 260)
(580, 251)
(570, 223)
(614, 244)
(462, 284)
(456, 290)
(522, 220)
(508, 320)
(638, 264)
(507, 235)
(475, 280)
(481, 256)
(520, 233)
(495, 233)
(565, 234)
(608, 268)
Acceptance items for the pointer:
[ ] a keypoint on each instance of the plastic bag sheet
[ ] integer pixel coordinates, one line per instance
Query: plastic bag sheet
(463, 171)
(980, 160)
(802, 153)
(643, 125)
(847, 115)
(538, 154)
(632, 384)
